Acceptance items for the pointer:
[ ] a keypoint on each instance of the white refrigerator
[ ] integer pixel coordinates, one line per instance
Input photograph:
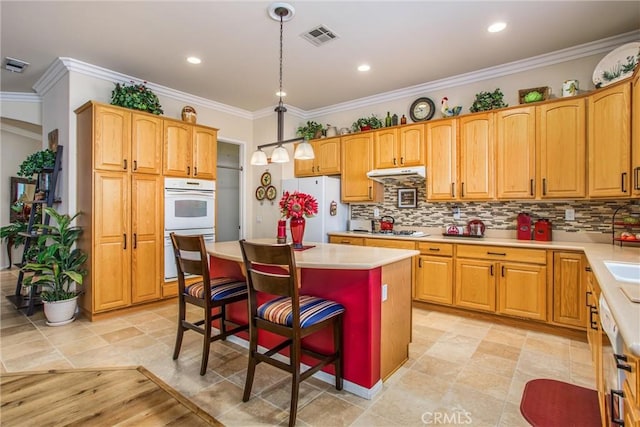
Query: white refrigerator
(326, 190)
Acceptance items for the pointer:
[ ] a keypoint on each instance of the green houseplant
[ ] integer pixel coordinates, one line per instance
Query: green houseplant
(488, 101)
(310, 131)
(367, 123)
(36, 163)
(137, 97)
(57, 267)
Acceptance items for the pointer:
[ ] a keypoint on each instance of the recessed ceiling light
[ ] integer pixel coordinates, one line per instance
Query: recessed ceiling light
(281, 94)
(364, 67)
(193, 60)
(497, 27)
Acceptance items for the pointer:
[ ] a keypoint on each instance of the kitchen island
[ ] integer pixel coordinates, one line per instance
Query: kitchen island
(373, 284)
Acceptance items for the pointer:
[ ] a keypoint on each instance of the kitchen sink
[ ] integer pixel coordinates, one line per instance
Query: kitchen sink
(624, 271)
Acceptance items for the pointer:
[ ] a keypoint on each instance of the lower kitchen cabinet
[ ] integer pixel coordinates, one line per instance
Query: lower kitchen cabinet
(434, 273)
(390, 243)
(569, 287)
(631, 389)
(510, 281)
(345, 240)
(594, 338)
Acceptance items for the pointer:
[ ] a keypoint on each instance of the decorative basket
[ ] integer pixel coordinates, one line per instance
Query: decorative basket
(189, 114)
(544, 90)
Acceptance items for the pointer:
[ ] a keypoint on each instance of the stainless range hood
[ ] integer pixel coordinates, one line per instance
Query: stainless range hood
(398, 173)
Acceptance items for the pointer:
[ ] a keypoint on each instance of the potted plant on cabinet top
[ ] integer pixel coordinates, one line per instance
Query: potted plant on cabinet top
(310, 131)
(58, 268)
(488, 101)
(367, 123)
(137, 97)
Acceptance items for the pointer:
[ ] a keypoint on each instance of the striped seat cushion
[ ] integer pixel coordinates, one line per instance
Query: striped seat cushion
(221, 288)
(312, 310)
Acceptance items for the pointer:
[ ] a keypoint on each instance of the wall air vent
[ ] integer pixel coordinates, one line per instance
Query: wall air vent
(319, 35)
(14, 65)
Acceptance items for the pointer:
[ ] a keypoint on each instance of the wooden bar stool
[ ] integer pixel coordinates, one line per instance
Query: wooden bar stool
(272, 269)
(191, 258)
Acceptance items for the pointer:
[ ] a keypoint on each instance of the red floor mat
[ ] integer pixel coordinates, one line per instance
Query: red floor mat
(550, 403)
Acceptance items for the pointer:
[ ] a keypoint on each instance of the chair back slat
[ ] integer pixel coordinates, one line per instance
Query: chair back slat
(271, 268)
(191, 258)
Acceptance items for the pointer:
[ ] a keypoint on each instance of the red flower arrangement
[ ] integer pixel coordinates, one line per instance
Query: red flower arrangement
(297, 205)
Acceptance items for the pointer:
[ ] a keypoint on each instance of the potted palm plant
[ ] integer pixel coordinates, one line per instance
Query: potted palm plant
(58, 268)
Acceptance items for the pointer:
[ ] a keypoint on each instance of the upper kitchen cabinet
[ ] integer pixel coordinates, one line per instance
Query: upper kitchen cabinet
(476, 168)
(356, 186)
(610, 142)
(146, 144)
(326, 160)
(515, 153)
(399, 147)
(189, 151)
(635, 135)
(441, 137)
(561, 145)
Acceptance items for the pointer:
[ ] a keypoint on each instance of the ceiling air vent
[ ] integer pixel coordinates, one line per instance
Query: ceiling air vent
(15, 65)
(319, 35)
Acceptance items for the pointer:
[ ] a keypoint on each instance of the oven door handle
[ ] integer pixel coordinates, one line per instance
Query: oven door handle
(177, 192)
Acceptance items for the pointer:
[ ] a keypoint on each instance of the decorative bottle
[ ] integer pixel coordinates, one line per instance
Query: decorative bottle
(403, 120)
(394, 120)
(387, 120)
(282, 231)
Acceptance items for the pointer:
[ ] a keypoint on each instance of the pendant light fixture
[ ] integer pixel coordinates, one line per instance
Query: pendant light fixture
(304, 151)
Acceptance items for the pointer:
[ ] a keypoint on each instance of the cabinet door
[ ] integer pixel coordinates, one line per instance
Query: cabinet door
(357, 152)
(147, 212)
(477, 157)
(146, 144)
(475, 284)
(412, 151)
(385, 149)
(112, 241)
(635, 136)
(441, 139)
(327, 152)
(177, 149)
(390, 243)
(434, 279)
(205, 149)
(522, 290)
(111, 138)
(569, 289)
(610, 142)
(561, 143)
(515, 153)
(346, 240)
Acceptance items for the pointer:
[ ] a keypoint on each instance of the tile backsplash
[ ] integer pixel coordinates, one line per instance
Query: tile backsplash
(590, 215)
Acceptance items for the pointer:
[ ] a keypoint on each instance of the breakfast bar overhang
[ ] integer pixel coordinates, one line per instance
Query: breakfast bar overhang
(375, 287)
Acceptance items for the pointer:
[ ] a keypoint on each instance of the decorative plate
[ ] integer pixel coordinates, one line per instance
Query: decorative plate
(260, 193)
(617, 65)
(271, 192)
(265, 179)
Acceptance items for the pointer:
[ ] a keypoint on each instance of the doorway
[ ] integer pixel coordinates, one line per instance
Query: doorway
(228, 189)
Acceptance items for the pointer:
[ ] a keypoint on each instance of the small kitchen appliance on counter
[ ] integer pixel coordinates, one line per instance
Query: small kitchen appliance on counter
(524, 226)
(542, 230)
(386, 223)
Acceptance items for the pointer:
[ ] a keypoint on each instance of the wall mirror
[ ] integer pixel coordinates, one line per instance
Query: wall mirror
(22, 190)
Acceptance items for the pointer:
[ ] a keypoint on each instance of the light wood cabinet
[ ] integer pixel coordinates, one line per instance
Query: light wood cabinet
(189, 151)
(434, 273)
(509, 281)
(398, 147)
(326, 161)
(594, 338)
(412, 151)
(122, 208)
(635, 135)
(569, 287)
(610, 142)
(561, 145)
(357, 152)
(346, 240)
(515, 153)
(442, 142)
(390, 243)
(477, 164)
(631, 389)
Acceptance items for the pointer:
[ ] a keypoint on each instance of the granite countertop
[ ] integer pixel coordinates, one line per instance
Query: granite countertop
(625, 312)
(324, 255)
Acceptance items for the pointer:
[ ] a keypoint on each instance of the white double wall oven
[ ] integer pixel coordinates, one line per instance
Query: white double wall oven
(189, 209)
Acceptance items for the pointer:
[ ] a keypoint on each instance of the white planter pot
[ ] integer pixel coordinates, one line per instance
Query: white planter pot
(60, 313)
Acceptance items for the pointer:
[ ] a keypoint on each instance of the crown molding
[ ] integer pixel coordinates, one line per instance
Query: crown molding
(563, 55)
(20, 97)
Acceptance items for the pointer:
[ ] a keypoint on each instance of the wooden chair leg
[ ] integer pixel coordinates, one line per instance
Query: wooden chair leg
(206, 345)
(251, 368)
(338, 348)
(295, 380)
(223, 319)
(180, 334)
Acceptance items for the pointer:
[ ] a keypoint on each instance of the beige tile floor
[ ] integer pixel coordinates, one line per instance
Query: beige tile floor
(460, 370)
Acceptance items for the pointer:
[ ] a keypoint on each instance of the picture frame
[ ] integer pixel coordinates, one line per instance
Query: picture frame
(407, 198)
